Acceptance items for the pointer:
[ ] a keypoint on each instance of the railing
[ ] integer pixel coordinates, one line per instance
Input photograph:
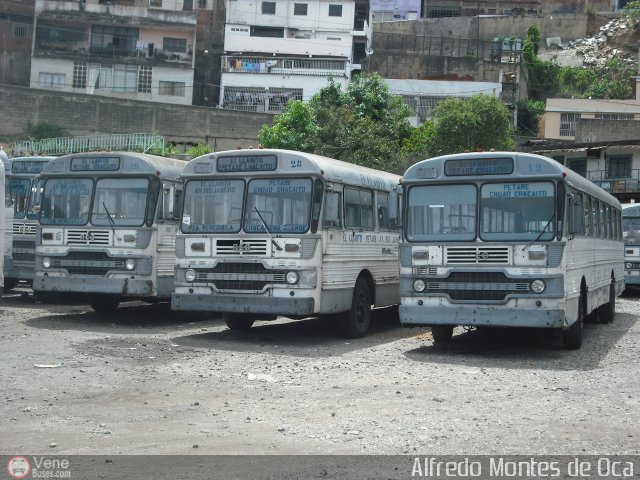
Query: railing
(63, 145)
(284, 66)
(628, 183)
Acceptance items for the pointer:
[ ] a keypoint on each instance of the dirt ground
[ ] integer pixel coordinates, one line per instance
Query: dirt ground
(147, 380)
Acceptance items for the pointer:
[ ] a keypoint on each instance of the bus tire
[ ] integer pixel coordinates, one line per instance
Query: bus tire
(442, 333)
(104, 303)
(572, 337)
(238, 321)
(607, 311)
(355, 322)
(9, 284)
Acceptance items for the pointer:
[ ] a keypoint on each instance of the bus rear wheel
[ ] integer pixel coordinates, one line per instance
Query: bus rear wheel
(104, 303)
(238, 321)
(355, 322)
(442, 333)
(607, 311)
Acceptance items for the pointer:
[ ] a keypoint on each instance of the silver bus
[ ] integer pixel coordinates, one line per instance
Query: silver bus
(631, 235)
(23, 189)
(277, 232)
(108, 225)
(507, 239)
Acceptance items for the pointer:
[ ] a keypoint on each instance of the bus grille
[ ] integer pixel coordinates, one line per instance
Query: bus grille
(28, 229)
(24, 251)
(239, 246)
(474, 286)
(88, 237)
(88, 263)
(241, 276)
(475, 255)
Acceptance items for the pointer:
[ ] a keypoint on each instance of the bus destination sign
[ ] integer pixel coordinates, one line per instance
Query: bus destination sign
(247, 163)
(478, 166)
(95, 164)
(28, 166)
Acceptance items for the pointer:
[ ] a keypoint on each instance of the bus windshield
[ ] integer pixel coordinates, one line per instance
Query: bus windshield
(120, 202)
(631, 230)
(35, 199)
(17, 195)
(282, 205)
(517, 211)
(212, 206)
(508, 212)
(66, 201)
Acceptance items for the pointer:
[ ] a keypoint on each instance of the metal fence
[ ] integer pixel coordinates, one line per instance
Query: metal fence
(63, 145)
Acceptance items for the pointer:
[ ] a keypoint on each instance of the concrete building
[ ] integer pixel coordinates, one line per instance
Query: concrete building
(127, 49)
(16, 34)
(275, 51)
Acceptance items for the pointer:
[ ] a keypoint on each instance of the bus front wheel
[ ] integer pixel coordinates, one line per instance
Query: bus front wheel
(356, 321)
(238, 321)
(572, 337)
(441, 333)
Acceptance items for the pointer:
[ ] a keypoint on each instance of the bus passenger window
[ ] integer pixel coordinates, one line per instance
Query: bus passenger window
(332, 217)
(383, 211)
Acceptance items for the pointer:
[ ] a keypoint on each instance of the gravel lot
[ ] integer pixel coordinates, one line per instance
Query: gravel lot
(150, 381)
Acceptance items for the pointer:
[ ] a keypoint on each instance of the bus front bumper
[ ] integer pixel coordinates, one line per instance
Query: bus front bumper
(243, 304)
(115, 286)
(481, 315)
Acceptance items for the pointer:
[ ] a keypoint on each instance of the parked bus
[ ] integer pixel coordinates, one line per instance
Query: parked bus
(3, 226)
(277, 232)
(506, 239)
(23, 190)
(631, 235)
(108, 228)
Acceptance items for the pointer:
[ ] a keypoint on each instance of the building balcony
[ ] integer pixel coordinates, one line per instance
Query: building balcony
(284, 66)
(629, 183)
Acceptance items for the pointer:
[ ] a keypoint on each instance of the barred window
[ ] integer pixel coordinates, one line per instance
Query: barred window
(177, 45)
(19, 31)
(568, 124)
(79, 75)
(144, 79)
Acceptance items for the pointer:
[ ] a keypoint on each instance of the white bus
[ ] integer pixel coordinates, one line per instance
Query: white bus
(23, 189)
(108, 228)
(631, 235)
(507, 239)
(276, 232)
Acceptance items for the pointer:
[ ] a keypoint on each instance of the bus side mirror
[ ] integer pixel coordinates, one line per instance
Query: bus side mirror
(576, 216)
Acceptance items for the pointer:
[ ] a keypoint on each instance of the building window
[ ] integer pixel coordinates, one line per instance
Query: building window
(144, 79)
(177, 45)
(579, 165)
(274, 32)
(614, 116)
(19, 32)
(202, 3)
(568, 124)
(79, 75)
(619, 166)
(443, 12)
(335, 10)
(299, 8)
(187, 5)
(559, 159)
(52, 80)
(108, 40)
(269, 8)
(155, 3)
(125, 78)
(171, 89)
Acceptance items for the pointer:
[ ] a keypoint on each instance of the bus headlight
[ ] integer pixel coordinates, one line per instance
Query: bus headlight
(419, 285)
(129, 264)
(190, 275)
(46, 262)
(292, 278)
(629, 266)
(538, 286)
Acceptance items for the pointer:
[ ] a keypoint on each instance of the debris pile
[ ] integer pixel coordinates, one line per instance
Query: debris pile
(617, 39)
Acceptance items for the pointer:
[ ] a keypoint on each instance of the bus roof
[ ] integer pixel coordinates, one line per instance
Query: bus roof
(275, 162)
(474, 166)
(121, 163)
(631, 209)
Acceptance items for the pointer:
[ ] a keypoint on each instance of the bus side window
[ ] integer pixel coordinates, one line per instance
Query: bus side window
(152, 206)
(318, 190)
(383, 210)
(332, 217)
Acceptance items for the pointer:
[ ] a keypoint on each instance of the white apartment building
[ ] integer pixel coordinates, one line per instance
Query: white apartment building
(133, 49)
(279, 50)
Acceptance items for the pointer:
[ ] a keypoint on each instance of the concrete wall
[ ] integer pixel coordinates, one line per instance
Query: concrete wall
(592, 130)
(90, 115)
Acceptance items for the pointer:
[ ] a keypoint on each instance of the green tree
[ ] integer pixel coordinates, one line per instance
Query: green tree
(467, 124)
(43, 130)
(529, 113)
(365, 124)
(632, 10)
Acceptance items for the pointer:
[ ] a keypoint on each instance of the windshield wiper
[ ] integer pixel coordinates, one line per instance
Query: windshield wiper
(112, 224)
(275, 244)
(543, 230)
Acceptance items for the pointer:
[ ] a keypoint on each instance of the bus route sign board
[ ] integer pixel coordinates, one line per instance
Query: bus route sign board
(28, 166)
(478, 166)
(95, 164)
(247, 163)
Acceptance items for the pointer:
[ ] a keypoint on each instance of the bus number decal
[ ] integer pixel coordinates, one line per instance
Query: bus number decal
(296, 163)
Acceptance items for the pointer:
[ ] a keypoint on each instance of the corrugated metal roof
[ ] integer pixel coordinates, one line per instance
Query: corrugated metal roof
(584, 149)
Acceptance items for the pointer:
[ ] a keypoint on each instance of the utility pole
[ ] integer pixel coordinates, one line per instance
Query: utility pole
(478, 54)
